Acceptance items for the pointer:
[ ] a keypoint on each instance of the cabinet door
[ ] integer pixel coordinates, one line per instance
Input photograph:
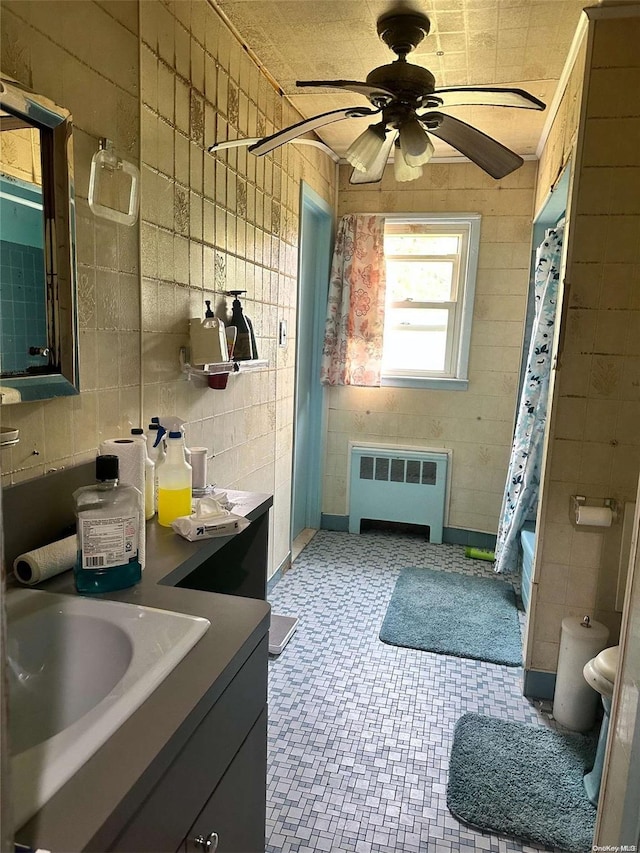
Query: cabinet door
(158, 824)
(235, 814)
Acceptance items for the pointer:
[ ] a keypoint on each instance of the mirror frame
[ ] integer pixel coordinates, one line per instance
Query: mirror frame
(58, 201)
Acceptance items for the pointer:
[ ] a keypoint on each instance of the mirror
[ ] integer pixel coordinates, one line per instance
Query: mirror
(38, 324)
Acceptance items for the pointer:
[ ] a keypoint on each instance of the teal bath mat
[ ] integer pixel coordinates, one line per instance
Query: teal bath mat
(522, 781)
(454, 614)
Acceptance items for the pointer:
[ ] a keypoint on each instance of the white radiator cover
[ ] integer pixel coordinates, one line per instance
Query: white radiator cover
(401, 484)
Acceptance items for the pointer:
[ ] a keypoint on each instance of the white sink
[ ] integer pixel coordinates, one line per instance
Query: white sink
(78, 667)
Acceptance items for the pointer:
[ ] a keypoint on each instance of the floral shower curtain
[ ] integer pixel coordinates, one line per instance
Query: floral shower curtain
(523, 478)
(352, 349)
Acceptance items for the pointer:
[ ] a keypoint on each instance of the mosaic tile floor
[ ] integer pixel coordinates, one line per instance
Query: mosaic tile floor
(360, 731)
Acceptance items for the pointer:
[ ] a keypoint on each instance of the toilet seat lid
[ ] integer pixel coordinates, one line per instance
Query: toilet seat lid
(607, 662)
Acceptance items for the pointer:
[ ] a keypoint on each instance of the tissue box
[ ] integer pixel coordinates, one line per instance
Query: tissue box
(208, 342)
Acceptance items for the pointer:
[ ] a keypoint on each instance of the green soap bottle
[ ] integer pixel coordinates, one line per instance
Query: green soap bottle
(109, 516)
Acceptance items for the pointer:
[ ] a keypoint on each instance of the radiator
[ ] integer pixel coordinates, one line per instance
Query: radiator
(391, 484)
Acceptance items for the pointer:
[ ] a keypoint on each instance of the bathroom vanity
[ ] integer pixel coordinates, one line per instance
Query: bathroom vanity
(189, 766)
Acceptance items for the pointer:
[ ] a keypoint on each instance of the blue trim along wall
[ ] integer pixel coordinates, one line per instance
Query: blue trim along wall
(316, 238)
(450, 535)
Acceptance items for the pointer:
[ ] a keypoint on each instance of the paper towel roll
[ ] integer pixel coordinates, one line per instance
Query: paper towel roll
(575, 702)
(594, 516)
(46, 562)
(132, 456)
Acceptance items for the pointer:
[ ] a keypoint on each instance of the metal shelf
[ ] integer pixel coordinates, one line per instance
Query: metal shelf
(251, 364)
(223, 367)
(9, 436)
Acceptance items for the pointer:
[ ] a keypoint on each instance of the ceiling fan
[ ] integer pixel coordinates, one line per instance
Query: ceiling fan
(408, 108)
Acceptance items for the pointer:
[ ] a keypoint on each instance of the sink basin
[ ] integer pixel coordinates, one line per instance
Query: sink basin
(78, 667)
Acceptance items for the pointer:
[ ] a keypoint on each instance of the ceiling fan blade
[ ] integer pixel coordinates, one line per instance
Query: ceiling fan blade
(352, 86)
(491, 96)
(268, 143)
(496, 159)
(233, 143)
(375, 173)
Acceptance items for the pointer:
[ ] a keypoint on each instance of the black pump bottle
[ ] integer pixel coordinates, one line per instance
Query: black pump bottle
(245, 346)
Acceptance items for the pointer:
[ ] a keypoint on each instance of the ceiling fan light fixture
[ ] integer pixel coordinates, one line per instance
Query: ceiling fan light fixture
(417, 148)
(402, 170)
(364, 150)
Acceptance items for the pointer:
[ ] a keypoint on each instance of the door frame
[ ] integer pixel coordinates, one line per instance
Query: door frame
(314, 261)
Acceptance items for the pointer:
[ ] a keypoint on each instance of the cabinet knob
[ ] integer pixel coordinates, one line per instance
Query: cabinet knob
(207, 843)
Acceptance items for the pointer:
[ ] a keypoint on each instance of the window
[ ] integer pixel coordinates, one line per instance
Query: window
(431, 265)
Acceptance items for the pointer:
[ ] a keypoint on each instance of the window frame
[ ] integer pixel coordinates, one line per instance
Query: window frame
(455, 377)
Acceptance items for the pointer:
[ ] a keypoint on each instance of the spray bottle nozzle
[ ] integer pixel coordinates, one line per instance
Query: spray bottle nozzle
(235, 293)
(208, 313)
(171, 426)
(161, 433)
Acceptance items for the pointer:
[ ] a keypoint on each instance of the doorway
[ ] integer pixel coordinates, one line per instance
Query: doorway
(316, 236)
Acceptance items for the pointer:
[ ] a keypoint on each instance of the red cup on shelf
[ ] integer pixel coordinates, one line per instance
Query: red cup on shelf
(218, 380)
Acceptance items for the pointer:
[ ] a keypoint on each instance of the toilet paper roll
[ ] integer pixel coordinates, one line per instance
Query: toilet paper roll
(132, 456)
(575, 702)
(594, 516)
(35, 566)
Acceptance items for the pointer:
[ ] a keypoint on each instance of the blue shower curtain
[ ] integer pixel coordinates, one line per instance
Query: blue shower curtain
(523, 478)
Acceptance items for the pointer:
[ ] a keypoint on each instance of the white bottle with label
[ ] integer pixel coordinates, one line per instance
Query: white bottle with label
(149, 476)
(108, 516)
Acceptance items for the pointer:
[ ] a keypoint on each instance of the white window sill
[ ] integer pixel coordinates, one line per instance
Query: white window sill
(434, 383)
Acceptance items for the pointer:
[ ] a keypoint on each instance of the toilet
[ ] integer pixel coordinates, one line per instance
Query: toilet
(600, 673)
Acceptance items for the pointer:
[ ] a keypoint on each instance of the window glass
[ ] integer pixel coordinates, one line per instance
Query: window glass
(429, 297)
(420, 280)
(420, 244)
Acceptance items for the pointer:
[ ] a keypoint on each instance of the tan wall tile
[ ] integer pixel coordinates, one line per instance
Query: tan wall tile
(594, 422)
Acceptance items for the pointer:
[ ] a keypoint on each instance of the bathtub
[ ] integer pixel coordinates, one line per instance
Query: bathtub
(528, 543)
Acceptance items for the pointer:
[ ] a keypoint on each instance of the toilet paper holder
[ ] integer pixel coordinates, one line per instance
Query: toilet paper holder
(576, 502)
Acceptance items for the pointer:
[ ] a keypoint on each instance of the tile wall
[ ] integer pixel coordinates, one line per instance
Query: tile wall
(22, 300)
(478, 423)
(84, 56)
(561, 140)
(207, 225)
(20, 154)
(594, 443)
(211, 224)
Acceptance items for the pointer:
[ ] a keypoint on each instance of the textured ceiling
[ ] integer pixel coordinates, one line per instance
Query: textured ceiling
(521, 43)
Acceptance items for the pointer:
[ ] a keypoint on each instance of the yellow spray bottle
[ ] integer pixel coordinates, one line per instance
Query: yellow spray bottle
(174, 476)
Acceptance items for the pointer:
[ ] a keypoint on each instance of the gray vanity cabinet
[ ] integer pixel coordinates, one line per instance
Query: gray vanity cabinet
(217, 781)
(227, 819)
(191, 761)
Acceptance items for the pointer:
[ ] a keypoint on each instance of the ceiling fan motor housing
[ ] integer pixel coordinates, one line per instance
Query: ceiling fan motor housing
(403, 79)
(403, 32)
